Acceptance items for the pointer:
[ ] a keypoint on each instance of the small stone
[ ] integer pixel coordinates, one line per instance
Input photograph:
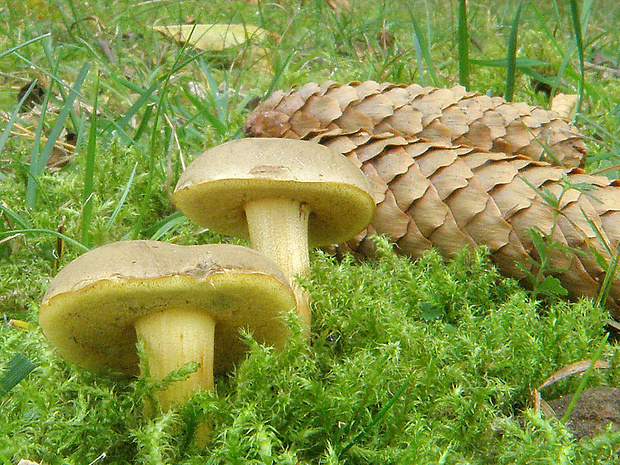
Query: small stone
(595, 409)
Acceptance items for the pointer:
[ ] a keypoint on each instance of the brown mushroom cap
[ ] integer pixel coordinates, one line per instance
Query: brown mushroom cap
(215, 187)
(90, 308)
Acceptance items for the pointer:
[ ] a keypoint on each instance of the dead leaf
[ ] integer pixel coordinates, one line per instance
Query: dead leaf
(213, 37)
(35, 97)
(219, 37)
(19, 324)
(63, 152)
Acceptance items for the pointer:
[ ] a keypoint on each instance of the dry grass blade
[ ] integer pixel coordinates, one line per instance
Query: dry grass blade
(539, 404)
(572, 369)
(62, 152)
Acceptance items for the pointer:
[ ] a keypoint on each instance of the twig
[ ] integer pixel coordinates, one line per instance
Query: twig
(28, 134)
(611, 71)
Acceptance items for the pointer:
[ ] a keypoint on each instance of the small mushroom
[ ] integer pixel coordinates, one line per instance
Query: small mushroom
(284, 195)
(186, 302)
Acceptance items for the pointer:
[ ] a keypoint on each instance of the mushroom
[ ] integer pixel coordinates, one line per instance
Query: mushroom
(186, 302)
(284, 195)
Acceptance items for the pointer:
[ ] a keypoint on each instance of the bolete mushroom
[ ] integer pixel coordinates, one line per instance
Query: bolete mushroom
(284, 195)
(186, 302)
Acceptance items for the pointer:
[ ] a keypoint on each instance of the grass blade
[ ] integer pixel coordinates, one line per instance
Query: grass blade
(599, 128)
(15, 217)
(59, 124)
(165, 80)
(520, 63)
(158, 230)
(610, 275)
(610, 268)
(9, 125)
(28, 42)
(146, 117)
(278, 76)
(17, 369)
(62, 85)
(39, 160)
(89, 172)
(145, 96)
(54, 63)
(35, 153)
(423, 50)
(576, 20)
(584, 379)
(511, 57)
(219, 99)
(463, 44)
(51, 232)
(121, 201)
(377, 418)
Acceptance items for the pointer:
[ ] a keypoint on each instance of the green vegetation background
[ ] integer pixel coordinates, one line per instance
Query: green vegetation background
(425, 362)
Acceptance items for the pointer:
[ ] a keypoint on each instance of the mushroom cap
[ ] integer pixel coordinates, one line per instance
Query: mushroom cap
(90, 307)
(216, 185)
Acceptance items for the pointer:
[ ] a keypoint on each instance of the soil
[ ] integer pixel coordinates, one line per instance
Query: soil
(595, 409)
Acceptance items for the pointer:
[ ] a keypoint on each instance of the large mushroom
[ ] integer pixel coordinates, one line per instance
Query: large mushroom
(186, 302)
(284, 195)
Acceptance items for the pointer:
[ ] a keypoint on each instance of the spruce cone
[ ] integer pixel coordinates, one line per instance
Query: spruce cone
(446, 197)
(429, 196)
(442, 116)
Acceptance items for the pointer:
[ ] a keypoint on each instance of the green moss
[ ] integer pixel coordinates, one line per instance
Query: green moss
(463, 367)
(471, 366)
(410, 362)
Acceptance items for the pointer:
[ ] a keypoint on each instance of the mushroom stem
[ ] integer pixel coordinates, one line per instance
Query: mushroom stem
(172, 339)
(278, 228)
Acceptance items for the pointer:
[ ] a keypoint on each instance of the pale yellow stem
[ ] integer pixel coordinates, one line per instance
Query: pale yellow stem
(279, 230)
(172, 339)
